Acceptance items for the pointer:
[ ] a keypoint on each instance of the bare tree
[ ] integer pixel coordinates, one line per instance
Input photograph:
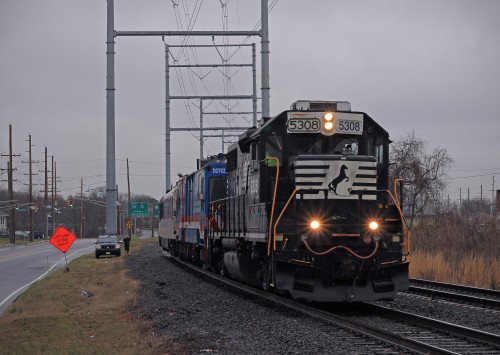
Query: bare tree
(423, 173)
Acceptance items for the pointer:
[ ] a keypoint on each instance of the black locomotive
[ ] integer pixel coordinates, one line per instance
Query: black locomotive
(307, 209)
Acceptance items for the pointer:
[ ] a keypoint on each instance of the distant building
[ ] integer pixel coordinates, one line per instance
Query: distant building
(4, 230)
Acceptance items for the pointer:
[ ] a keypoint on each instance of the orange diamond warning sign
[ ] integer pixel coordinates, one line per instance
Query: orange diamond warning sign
(62, 239)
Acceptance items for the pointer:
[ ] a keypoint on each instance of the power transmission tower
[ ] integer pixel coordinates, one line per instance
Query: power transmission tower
(111, 226)
(201, 129)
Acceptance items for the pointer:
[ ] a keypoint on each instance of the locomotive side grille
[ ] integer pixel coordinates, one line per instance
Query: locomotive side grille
(335, 179)
(232, 160)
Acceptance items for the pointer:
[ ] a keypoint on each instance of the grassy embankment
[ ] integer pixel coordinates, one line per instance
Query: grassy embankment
(54, 316)
(5, 241)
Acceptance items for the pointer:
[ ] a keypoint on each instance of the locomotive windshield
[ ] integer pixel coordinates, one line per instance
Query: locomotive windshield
(217, 188)
(325, 145)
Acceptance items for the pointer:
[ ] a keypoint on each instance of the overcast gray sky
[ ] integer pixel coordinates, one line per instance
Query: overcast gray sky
(432, 66)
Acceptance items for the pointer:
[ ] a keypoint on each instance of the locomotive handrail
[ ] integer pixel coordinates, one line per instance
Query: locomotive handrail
(396, 190)
(274, 203)
(406, 230)
(232, 210)
(279, 217)
(342, 247)
(212, 216)
(401, 212)
(227, 198)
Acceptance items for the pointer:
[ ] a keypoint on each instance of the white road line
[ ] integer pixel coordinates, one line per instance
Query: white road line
(38, 278)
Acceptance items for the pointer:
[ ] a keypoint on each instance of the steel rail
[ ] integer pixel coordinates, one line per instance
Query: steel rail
(482, 291)
(453, 296)
(454, 329)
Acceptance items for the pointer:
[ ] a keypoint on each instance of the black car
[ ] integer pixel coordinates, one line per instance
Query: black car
(38, 235)
(107, 245)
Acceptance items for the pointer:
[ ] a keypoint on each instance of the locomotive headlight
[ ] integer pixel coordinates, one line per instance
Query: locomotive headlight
(373, 225)
(328, 123)
(315, 224)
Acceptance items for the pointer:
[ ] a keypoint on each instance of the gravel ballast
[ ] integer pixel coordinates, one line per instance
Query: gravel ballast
(199, 317)
(195, 316)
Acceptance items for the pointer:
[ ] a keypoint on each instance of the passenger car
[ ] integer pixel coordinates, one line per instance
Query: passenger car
(38, 235)
(107, 245)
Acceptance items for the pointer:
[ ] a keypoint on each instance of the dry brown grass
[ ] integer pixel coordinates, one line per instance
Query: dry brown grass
(473, 270)
(54, 317)
(462, 249)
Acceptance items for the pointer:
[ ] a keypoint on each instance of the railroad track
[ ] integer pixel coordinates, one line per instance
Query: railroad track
(451, 338)
(457, 293)
(390, 333)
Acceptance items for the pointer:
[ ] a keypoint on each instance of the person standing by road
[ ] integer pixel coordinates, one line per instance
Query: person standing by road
(126, 242)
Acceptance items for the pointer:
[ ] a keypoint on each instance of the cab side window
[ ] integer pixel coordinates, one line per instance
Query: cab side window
(379, 150)
(274, 147)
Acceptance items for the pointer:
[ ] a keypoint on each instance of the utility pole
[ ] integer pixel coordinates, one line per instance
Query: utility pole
(81, 207)
(10, 177)
(153, 220)
(128, 207)
(30, 162)
(118, 229)
(52, 193)
(46, 199)
(493, 194)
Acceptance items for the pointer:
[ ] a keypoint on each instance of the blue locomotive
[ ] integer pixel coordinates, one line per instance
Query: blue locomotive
(184, 210)
(303, 207)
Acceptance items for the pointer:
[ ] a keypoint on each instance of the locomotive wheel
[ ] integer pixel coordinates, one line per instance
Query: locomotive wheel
(222, 269)
(265, 285)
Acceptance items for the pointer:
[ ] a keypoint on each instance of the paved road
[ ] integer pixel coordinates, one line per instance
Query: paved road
(20, 266)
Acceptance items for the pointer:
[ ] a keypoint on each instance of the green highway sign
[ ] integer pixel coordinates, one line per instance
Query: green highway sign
(138, 209)
(22, 209)
(156, 210)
